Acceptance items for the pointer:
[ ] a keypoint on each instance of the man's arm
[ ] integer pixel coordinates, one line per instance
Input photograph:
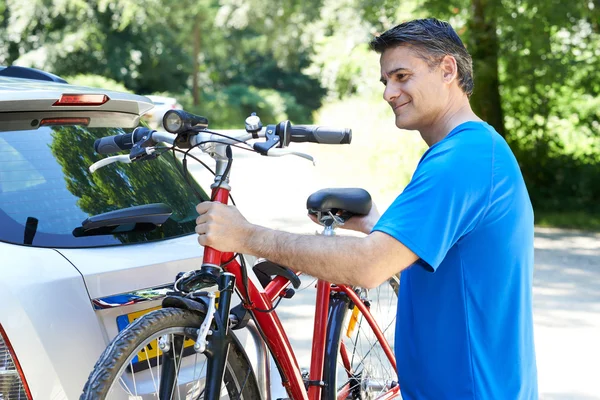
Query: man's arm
(366, 262)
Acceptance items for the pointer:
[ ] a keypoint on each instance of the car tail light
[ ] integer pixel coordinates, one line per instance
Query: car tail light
(65, 121)
(82, 100)
(12, 381)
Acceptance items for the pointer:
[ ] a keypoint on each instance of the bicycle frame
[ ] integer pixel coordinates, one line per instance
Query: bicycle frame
(275, 336)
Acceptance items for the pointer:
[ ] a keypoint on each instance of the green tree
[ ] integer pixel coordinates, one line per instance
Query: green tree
(197, 48)
(542, 58)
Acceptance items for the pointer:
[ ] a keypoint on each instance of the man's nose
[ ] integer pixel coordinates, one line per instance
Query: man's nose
(391, 92)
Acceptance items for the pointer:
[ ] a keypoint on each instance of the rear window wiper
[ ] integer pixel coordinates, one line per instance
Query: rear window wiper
(137, 218)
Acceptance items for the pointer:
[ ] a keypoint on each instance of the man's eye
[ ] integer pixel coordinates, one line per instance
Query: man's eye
(400, 76)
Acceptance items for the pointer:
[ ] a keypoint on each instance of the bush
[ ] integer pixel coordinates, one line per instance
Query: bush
(229, 107)
(558, 180)
(96, 81)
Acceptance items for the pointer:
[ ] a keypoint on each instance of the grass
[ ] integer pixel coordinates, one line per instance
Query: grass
(381, 158)
(568, 219)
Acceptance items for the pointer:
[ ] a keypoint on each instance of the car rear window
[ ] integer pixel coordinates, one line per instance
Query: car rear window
(47, 191)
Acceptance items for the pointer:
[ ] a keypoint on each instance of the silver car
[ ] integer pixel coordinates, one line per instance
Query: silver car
(69, 285)
(162, 104)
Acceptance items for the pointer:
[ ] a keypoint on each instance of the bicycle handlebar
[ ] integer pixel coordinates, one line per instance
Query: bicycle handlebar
(273, 147)
(320, 134)
(117, 143)
(296, 134)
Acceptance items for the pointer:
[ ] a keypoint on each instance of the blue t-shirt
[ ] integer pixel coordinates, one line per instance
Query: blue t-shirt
(465, 326)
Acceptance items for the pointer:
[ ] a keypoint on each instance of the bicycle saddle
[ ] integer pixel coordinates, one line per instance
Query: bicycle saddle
(354, 200)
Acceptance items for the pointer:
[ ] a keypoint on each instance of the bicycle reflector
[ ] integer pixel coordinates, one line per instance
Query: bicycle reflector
(12, 380)
(178, 121)
(81, 100)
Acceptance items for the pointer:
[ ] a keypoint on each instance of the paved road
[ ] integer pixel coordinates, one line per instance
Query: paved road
(567, 313)
(273, 192)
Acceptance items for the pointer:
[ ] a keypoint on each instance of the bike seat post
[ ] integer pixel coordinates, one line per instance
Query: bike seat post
(328, 231)
(330, 221)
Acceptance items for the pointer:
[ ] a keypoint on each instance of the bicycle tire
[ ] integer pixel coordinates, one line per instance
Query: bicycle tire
(371, 374)
(239, 379)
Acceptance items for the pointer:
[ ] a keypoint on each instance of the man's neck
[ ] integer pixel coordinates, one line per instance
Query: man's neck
(452, 117)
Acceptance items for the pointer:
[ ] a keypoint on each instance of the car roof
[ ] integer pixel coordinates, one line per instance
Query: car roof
(24, 95)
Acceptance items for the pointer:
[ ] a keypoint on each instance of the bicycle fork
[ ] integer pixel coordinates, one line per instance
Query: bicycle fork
(217, 348)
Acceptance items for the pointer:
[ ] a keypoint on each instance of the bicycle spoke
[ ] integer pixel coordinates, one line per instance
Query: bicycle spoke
(244, 384)
(151, 373)
(355, 341)
(373, 345)
(176, 383)
(158, 362)
(125, 385)
(172, 369)
(133, 377)
(371, 372)
(195, 365)
(178, 367)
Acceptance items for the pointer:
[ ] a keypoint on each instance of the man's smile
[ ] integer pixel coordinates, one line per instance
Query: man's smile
(399, 106)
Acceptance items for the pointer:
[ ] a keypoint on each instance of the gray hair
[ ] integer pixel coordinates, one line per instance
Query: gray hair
(431, 39)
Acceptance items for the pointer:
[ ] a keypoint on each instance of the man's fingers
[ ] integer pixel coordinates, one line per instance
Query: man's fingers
(201, 229)
(203, 236)
(203, 207)
(204, 218)
(203, 240)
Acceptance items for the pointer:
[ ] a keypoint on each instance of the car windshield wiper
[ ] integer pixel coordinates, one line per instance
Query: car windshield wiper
(138, 218)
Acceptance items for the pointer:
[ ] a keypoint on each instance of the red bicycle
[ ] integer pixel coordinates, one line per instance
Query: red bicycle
(191, 347)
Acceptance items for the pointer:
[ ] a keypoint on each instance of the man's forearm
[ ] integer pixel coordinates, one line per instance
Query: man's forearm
(338, 259)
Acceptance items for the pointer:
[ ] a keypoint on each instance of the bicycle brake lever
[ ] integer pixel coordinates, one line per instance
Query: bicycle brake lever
(277, 152)
(124, 158)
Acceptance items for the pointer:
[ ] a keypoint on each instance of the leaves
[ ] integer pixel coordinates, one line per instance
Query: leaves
(536, 63)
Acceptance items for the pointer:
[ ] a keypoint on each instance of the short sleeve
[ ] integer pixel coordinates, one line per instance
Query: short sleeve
(446, 197)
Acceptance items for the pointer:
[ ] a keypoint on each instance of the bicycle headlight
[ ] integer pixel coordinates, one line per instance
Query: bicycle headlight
(172, 121)
(178, 121)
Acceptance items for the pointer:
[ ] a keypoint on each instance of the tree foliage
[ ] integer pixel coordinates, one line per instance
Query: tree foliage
(535, 64)
(549, 88)
(149, 45)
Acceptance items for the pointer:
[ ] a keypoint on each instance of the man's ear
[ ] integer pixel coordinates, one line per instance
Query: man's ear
(449, 69)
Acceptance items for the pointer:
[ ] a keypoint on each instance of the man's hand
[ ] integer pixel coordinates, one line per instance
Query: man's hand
(221, 227)
(364, 223)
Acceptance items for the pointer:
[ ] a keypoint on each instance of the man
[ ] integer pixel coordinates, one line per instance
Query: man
(464, 226)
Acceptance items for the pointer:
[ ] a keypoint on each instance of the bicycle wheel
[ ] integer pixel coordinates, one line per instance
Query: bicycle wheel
(133, 368)
(356, 366)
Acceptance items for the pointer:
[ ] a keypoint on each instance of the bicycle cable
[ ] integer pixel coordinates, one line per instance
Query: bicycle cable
(230, 138)
(186, 174)
(243, 265)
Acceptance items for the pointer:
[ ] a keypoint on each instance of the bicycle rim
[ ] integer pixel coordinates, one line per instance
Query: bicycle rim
(360, 369)
(141, 370)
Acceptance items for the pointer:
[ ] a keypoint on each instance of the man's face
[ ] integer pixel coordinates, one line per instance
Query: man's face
(416, 92)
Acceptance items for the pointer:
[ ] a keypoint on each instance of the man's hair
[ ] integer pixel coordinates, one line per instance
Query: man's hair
(431, 39)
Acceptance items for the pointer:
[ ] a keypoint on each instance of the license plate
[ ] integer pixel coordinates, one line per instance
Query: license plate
(151, 351)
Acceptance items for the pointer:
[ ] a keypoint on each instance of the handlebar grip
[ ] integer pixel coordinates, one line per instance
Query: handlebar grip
(117, 143)
(320, 134)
